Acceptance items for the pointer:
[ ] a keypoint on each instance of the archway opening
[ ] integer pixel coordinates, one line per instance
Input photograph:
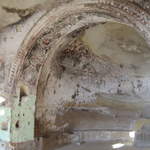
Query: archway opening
(98, 90)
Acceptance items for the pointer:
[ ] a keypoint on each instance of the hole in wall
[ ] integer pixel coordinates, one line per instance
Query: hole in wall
(17, 125)
(23, 93)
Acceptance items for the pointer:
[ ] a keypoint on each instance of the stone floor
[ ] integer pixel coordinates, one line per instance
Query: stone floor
(98, 146)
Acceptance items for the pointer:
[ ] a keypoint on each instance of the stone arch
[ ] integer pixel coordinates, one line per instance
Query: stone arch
(61, 25)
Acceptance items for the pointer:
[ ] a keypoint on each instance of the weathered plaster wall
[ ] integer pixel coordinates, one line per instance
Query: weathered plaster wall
(69, 70)
(109, 77)
(10, 39)
(12, 11)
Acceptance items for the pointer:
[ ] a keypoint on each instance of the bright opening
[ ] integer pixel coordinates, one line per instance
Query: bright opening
(118, 145)
(2, 99)
(2, 112)
(132, 134)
